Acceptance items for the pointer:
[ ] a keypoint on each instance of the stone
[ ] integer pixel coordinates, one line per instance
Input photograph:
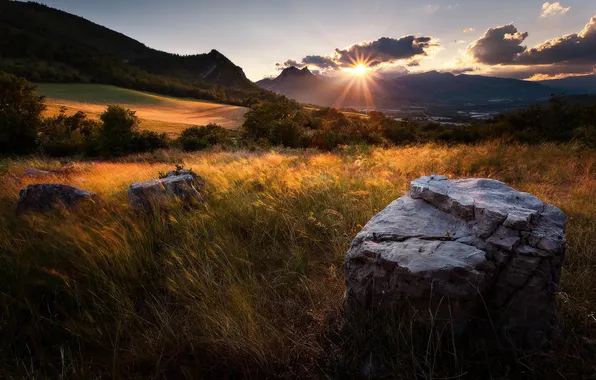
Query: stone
(461, 251)
(36, 173)
(47, 196)
(199, 181)
(182, 186)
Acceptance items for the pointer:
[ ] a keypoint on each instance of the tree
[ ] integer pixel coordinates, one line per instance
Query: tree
(20, 114)
(120, 125)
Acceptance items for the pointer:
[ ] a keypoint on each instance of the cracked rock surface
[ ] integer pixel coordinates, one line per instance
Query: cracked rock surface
(463, 250)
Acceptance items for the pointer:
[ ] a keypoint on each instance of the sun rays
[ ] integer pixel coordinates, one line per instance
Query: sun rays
(361, 79)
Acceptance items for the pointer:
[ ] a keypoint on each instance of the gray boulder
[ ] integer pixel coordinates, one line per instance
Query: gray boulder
(183, 186)
(463, 250)
(199, 182)
(46, 196)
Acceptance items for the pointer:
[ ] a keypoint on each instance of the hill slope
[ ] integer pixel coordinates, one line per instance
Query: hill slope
(573, 85)
(46, 44)
(157, 113)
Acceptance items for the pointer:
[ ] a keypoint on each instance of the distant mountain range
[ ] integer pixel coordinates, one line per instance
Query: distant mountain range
(419, 89)
(46, 44)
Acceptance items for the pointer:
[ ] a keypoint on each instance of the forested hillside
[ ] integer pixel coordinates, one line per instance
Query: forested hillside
(48, 45)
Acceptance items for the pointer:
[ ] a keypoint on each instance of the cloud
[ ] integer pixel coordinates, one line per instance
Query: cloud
(536, 77)
(384, 50)
(539, 71)
(576, 48)
(434, 8)
(500, 52)
(499, 45)
(319, 61)
(553, 9)
(288, 63)
(469, 30)
(463, 70)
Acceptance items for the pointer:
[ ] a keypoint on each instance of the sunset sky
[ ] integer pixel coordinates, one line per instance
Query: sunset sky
(263, 36)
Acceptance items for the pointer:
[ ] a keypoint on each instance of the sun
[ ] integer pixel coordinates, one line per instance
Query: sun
(360, 70)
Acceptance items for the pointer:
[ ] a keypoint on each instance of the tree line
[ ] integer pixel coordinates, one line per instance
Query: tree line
(283, 122)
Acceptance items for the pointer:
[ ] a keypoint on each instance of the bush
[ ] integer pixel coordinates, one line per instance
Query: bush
(148, 141)
(20, 114)
(69, 135)
(118, 131)
(197, 138)
(280, 123)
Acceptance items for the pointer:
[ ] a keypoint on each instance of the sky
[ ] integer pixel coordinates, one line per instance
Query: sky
(525, 39)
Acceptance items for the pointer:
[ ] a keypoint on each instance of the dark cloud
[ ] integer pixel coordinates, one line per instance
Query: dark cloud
(384, 50)
(576, 48)
(462, 70)
(499, 45)
(319, 61)
(501, 48)
(288, 63)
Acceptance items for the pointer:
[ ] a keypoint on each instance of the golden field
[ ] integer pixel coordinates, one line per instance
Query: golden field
(251, 286)
(158, 113)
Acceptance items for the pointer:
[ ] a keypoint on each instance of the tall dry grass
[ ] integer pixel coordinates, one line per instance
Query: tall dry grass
(251, 285)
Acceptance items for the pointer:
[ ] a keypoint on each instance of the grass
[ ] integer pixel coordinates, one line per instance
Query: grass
(158, 113)
(251, 285)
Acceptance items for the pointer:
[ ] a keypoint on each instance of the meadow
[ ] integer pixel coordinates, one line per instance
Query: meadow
(251, 285)
(158, 113)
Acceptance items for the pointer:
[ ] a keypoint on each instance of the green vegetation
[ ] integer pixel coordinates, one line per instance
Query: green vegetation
(97, 93)
(198, 138)
(63, 135)
(251, 285)
(20, 114)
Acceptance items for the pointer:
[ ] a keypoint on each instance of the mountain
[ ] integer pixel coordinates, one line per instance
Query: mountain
(573, 85)
(46, 44)
(414, 89)
(301, 85)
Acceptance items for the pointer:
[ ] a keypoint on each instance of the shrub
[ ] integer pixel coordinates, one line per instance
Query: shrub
(64, 135)
(118, 131)
(20, 114)
(280, 123)
(197, 138)
(148, 141)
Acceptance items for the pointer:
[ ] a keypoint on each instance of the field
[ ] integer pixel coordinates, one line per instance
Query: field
(158, 113)
(251, 286)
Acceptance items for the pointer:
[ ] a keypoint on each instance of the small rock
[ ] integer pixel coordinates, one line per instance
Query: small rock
(199, 182)
(46, 196)
(143, 194)
(36, 173)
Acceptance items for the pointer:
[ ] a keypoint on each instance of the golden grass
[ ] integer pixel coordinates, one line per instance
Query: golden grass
(157, 113)
(250, 285)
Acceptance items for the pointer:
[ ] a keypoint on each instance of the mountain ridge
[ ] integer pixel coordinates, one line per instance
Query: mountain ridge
(48, 44)
(429, 87)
